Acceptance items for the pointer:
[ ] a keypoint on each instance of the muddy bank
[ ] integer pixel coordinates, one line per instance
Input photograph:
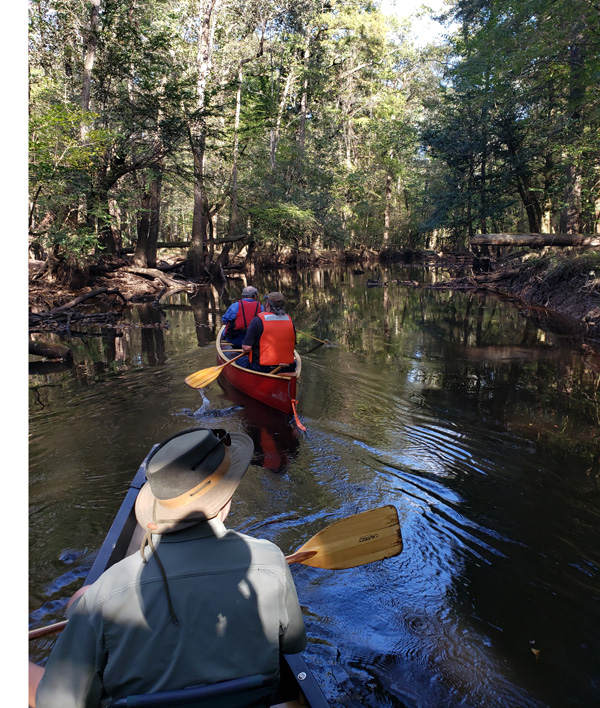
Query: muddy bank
(560, 290)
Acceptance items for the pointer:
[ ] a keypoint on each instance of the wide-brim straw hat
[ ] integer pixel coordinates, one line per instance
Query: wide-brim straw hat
(191, 477)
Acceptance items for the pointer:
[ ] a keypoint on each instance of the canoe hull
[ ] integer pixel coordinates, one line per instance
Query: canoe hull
(275, 390)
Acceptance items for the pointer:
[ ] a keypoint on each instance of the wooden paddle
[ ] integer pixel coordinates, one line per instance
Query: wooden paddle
(47, 630)
(323, 341)
(202, 378)
(363, 538)
(359, 539)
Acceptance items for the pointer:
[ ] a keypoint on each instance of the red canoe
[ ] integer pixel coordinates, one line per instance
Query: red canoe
(275, 390)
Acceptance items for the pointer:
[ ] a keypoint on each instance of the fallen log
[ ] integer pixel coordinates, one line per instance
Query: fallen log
(49, 350)
(154, 274)
(563, 240)
(43, 368)
(86, 296)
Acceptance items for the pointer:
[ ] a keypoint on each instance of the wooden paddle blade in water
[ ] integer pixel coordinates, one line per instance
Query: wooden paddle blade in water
(363, 538)
(200, 379)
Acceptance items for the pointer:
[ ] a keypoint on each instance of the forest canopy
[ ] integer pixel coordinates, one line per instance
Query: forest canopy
(227, 127)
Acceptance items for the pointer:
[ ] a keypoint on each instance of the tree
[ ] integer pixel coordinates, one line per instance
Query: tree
(524, 65)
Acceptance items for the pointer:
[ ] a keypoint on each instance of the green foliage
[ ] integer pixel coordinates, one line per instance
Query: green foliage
(287, 221)
(347, 135)
(61, 168)
(518, 121)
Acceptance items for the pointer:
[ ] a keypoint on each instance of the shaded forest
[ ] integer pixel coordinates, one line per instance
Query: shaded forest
(239, 130)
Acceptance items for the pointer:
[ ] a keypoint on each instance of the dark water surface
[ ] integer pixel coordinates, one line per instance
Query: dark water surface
(480, 428)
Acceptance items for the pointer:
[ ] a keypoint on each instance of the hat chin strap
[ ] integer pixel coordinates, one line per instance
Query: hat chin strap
(205, 486)
(147, 541)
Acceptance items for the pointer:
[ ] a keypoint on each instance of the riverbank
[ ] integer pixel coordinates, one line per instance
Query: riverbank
(559, 288)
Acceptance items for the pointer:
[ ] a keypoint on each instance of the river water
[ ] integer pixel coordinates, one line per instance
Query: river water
(479, 427)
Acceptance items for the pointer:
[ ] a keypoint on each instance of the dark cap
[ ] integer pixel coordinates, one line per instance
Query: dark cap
(275, 298)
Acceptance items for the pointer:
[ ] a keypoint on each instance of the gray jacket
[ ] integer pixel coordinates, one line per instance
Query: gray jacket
(235, 602)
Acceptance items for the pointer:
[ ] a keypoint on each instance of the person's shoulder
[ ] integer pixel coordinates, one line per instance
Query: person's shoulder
(263, 551)
(118, 576)
(232, 309)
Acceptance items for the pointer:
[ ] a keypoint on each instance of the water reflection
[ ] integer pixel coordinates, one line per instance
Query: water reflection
(275, 438)
(477, 424)
(153, 340)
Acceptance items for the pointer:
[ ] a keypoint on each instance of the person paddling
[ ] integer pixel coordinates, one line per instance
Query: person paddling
(271, 338)
(199, 603)
(239, 315)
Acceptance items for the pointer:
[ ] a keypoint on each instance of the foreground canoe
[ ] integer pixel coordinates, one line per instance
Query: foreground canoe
(297, 686)
(275, 390)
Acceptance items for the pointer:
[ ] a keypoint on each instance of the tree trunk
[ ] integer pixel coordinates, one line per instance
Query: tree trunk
(386, 217)
(88, 63)
(571, 217)
(532, 206)
(197, 260)
(304, 101)
(98, 219)
(155, 194)
(274, 138)
(149, 222)
(233, 212)
(139, 256)
(470, 230)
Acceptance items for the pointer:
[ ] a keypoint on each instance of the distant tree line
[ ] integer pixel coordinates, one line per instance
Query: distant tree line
(305, 124)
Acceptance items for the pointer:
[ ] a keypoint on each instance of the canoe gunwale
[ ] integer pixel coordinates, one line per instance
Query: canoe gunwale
(289, 375)
(275, 390)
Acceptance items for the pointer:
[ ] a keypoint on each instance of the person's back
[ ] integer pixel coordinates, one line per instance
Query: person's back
(271, 338)
(224, 608)
(238, 316)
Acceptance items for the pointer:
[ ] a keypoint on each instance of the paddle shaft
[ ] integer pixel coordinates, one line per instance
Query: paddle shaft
(47, 630)
(229, 361)
(306, 334)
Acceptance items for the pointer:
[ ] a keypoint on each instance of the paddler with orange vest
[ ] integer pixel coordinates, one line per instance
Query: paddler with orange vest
(239, 315)
(271, 339)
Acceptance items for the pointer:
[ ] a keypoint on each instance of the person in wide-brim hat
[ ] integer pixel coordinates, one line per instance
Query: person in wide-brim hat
(191, 477)
(208, 604)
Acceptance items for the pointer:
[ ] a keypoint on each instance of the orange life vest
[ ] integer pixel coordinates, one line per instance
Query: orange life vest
(277, 341)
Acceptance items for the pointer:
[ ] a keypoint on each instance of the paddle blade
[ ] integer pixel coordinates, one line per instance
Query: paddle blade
(202, 378)
(363, 538)
(298, 423)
